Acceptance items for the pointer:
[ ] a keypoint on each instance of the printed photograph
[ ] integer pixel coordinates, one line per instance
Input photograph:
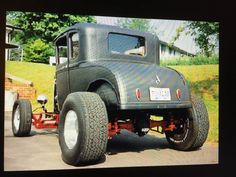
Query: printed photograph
(85, 92)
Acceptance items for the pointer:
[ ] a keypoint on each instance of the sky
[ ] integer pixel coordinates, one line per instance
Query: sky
(165, 30)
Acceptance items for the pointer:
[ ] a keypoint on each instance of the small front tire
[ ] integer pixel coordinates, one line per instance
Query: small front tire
(21, 118)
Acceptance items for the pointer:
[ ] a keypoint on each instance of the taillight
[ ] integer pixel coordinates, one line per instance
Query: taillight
(138, 93)
(178, 93)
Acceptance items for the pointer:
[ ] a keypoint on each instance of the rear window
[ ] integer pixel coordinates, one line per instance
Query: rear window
(126, 44)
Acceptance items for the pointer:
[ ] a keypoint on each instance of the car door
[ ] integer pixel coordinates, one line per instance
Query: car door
(74, 72)
(62, 62)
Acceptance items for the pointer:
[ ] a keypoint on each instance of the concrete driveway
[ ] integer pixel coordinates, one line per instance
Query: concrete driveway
(41, 151)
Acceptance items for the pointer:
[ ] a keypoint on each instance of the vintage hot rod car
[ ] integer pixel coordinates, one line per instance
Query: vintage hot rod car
(108, 79)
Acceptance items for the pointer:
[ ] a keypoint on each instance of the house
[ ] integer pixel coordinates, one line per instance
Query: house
(165, 30)
(8, 46)
(169, 52)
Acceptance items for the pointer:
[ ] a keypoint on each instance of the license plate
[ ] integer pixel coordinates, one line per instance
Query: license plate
(159, 94)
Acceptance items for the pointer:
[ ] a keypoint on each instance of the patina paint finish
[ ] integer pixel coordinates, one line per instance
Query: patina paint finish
(97, 63)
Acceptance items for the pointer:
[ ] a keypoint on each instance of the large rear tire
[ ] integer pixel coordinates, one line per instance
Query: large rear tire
(192, 127)
(21, 118)
(83, 129)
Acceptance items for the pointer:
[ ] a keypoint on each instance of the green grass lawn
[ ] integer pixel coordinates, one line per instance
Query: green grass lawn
(41, 75)
(203, 81)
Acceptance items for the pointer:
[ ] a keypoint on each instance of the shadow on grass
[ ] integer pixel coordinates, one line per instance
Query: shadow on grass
(208, 87)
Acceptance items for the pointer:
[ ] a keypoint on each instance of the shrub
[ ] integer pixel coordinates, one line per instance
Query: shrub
(37, 51)
(187, 60)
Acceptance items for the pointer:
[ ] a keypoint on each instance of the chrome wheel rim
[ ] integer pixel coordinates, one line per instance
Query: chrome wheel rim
(16, 120)
(71, 129)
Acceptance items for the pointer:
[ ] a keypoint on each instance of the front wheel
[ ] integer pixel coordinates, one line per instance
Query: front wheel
(83, 129)
(21, 118)
(192, 126)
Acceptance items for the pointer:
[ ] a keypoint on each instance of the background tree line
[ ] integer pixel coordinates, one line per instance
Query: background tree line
(205, 34)
(38, 31)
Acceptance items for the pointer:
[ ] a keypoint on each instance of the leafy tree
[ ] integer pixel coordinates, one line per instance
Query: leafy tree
(205, 34)
(179, 30)
(135, 23)
(43, 26)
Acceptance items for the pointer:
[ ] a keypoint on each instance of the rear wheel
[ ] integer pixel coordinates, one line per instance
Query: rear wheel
(83, 128)
(192, 127)
(21, 118)
(108, 95)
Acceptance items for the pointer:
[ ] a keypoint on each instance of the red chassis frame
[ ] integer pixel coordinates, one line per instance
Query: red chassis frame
(161, 126)
(45, 120)
(51, 120)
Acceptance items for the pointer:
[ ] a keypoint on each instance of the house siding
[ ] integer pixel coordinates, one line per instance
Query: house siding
(167, 52)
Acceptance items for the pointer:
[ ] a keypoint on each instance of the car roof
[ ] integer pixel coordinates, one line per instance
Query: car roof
(102, 27)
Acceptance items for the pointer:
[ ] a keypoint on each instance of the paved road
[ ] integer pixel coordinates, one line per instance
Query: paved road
(41, 151)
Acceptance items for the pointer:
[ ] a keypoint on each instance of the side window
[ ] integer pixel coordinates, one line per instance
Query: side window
(62, 49)
(74, 45)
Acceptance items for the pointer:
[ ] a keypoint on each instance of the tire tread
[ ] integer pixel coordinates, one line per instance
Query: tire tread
(202, 122)
(92, 119)
(97, 128)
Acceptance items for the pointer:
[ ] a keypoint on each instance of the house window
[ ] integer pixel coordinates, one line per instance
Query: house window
(170, 51)
(74, 43)
(126, 44)
(163, 48)
(62, 50)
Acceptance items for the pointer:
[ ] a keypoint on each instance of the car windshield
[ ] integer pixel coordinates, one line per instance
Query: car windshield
(126, 44)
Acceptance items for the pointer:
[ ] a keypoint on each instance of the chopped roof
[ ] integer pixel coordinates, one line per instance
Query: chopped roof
(104, 27)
